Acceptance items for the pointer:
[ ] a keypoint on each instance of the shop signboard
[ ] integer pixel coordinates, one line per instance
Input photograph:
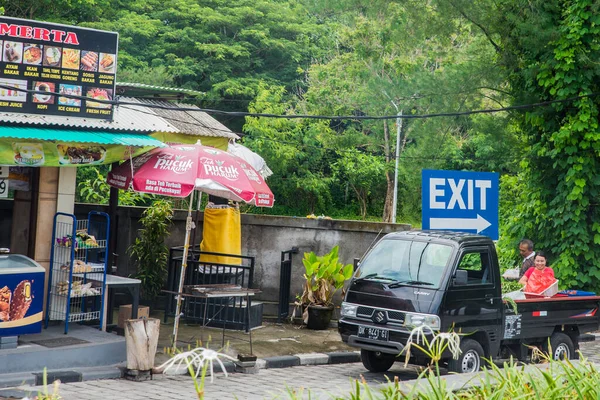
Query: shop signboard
(53, 58)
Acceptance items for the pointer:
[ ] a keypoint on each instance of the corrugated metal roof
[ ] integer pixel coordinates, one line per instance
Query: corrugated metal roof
(158, 89)
(134, 118)
(197, 123)
(78, 136)
(130, 118)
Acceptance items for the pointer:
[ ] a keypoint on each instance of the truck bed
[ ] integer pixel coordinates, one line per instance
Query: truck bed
(538, 318)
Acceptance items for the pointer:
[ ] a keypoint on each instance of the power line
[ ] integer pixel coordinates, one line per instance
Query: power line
(132, 106)
(306, 116)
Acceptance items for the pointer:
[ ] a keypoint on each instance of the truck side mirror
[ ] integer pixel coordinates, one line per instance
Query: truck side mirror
(460, 277)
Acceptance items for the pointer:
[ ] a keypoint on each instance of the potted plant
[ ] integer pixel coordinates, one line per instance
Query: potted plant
(324, 275)
(149, 252)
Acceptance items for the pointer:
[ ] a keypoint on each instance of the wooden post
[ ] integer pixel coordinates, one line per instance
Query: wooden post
(141, 338)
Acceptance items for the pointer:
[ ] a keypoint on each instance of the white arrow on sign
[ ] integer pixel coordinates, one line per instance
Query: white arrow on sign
(479, 223)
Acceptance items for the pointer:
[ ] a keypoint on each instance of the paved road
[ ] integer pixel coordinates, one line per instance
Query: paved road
(324, 380)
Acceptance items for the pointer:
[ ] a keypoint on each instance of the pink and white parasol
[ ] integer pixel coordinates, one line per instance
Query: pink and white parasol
(178, 170)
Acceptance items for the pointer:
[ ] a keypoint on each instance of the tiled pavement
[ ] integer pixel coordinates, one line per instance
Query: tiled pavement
(323, 380)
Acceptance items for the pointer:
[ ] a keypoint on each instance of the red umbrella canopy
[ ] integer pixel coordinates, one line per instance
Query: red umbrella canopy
(177, 170)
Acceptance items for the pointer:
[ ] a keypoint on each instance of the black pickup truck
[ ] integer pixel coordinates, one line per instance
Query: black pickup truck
(451, 281)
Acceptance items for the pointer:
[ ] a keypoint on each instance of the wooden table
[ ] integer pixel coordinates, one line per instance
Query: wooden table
(207, 292)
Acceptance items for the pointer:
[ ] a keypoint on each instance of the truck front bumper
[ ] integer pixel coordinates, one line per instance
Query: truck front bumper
(395, 344)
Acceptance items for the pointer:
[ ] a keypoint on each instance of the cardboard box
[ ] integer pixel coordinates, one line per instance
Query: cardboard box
(125, 314)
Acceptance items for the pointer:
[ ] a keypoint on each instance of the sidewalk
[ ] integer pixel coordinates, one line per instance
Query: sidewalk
(269, 340)
(322, 381)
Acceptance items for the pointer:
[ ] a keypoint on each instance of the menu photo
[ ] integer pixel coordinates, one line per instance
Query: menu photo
(32, 54)
(73, 90)
(52, 56)
(99, 94)
(89, 61)
(44, 87)
(70, 58)
(9, 94)
(12, 52)
(107, 63)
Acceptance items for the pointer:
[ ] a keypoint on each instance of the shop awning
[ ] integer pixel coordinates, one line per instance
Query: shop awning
(79, 136)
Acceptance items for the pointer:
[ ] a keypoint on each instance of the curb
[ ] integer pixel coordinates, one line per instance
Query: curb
(340, 357)
(117, 371)
(34, 378)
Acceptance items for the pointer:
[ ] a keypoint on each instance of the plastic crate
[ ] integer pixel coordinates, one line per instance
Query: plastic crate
(549, 292)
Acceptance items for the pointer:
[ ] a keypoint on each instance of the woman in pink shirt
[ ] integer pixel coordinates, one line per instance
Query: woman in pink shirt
(539, 265)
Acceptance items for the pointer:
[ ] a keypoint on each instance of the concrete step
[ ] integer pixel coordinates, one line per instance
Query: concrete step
(83, 347)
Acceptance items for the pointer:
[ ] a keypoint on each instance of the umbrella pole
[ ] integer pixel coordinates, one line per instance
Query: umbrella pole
(186, 246)
(196, 220)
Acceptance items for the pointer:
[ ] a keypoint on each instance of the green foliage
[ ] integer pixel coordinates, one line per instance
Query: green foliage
(224, 48)
(362, 172)
(559, 184)
(149, 252)
(302, 179)
(93, 188)
(324, 275)
(65, 11)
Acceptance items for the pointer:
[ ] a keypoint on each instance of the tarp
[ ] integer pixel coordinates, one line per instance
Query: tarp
(222, 233)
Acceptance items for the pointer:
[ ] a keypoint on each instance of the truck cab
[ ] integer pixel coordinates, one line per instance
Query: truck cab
(446, 281)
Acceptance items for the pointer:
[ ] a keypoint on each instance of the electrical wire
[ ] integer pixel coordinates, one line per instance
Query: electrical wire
(305, 116)
(132, 106)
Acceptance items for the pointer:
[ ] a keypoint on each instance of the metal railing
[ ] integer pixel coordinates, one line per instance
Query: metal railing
(232, 313)
(285, 282)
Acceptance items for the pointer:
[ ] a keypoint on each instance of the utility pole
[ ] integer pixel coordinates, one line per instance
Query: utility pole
(398, 132)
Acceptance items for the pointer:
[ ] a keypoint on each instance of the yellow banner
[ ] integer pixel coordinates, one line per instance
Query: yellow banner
(39, 153)
(180, 138)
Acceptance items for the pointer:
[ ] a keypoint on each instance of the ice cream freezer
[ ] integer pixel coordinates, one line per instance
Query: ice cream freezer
(21, 295)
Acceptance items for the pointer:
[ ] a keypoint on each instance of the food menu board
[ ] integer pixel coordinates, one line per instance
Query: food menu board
(52, 58)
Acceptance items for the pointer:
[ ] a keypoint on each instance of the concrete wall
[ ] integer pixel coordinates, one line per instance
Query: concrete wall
(264, 237)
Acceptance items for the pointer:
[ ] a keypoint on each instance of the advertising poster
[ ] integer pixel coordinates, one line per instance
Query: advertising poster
(21, 302)
(31, 153)
(52, 58)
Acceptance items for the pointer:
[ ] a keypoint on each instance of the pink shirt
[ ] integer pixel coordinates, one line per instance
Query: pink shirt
(545, 271)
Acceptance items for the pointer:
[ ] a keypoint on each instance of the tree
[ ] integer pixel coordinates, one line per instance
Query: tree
(292, 148)
(224, 48)
(410, 56)
(559, 181)
(361, 171)
(65, 11)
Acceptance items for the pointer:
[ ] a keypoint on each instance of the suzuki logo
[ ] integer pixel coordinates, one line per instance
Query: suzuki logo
(379, 317)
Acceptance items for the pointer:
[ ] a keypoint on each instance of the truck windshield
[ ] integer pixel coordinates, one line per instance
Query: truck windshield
(404, 261)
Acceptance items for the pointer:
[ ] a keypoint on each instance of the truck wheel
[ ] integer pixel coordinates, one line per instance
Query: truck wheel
(562, 347)
(469, 359)
(376, 361)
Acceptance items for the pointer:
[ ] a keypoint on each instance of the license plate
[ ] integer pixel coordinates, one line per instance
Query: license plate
(369, 332)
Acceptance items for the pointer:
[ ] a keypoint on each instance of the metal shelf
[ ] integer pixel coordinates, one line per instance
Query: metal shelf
(75, 266)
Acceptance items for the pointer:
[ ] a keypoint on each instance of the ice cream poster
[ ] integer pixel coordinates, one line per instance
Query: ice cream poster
(21, 302)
